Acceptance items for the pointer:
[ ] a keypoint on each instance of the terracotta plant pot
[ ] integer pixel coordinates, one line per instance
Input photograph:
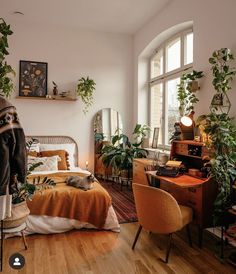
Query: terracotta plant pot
(19, 214)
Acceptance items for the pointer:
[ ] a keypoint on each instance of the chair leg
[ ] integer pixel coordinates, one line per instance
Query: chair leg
(189, 235)
(168, 249)
(2, 238)
(24, 240)
(136, 237)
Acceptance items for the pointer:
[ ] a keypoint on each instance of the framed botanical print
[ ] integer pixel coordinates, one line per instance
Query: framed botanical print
(33, 79)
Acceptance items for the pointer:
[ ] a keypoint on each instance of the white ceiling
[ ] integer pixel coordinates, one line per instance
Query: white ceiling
(120, 16)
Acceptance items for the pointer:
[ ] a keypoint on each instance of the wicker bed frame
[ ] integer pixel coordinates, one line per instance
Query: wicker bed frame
(57, 140)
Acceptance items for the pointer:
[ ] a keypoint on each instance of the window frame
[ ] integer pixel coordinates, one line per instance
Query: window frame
(167, 76)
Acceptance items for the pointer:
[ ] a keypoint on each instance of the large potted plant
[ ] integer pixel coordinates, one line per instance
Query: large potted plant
(85, 89)
(120, 154)
(6, 71)
(221, 132)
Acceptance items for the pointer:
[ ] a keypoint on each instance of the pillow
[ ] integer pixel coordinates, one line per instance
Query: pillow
(48, 163)
(32, 153)
(63, 164)
(34, 146)
(70, 148)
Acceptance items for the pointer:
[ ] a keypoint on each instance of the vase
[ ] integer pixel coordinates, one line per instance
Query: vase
(19, 214)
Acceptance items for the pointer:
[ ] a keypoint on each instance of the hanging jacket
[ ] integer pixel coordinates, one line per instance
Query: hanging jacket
(13, 159)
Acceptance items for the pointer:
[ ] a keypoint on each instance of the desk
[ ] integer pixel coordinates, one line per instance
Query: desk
(197, 193)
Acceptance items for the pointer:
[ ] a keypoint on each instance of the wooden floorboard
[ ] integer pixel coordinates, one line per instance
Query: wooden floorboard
(104, 252)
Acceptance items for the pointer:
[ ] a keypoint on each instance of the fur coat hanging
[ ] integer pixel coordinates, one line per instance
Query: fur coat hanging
(13, 161)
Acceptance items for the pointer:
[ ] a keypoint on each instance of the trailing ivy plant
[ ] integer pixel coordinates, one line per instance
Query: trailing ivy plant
(186, 97)
(222, 72)
(221, 132)
(6, 71)
(85, 89)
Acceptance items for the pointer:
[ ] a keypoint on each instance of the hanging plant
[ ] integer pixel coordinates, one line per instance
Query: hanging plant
(221, 132)
(85, 89)
(185, 93)
(6, 71)
(222, 78)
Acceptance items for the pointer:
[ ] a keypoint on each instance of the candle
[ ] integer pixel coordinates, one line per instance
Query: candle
(86, 164)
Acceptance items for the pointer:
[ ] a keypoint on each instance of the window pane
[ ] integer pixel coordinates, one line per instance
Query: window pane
(157, 108)
(188, 49)
(157, 64)
(173, 55)
(172, 108)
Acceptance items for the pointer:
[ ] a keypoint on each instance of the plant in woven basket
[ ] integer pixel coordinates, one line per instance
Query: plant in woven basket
(25, 191)
(6, 71)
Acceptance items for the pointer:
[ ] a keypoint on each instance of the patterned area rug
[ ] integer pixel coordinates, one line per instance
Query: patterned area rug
(122, 201)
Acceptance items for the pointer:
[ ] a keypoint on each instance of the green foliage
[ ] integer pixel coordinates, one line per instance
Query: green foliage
(185, 96)
(221, 131)
(120, 153)
(141, 131)
(222, 72)
(25, 191)
(6, 71)
(85, 89)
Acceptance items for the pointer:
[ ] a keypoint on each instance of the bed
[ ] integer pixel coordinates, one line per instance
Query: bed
(63, 208)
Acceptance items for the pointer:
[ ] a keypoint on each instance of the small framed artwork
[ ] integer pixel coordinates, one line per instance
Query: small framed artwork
(33, 79)
(155, 137)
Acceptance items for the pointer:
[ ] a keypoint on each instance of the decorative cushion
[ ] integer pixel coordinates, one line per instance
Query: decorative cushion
(48, 163)
(63, 164)
(70, 148)
(32, 153)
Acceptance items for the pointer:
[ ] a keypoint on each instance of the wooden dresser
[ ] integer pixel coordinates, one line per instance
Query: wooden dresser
(195, 192)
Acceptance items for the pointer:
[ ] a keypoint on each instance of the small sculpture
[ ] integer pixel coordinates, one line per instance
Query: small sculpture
(55, 90)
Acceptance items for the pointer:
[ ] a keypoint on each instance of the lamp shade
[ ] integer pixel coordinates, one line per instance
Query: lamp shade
(186, 121)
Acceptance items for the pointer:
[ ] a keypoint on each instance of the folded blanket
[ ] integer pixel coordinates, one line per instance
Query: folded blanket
(69, 202)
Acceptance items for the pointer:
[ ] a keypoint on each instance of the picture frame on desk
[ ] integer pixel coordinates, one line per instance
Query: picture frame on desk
(33, 79)
(155, 137)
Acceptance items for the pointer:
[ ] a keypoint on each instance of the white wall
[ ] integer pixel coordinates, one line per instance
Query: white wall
(71, 54)
(214, 27)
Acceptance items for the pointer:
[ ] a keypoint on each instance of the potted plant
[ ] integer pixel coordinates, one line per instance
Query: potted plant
(23, 192)
(6, 71)
(85, 89)
(141, 134)
(186, 88)
(222, 77)
(221, 132)
(120, 154)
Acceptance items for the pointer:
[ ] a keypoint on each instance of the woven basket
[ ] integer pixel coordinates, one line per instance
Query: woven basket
(19, 214)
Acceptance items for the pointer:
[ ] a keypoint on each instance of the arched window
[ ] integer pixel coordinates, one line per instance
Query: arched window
(173, 58)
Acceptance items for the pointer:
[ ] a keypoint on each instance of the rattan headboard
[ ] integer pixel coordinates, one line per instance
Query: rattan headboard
(57, 140)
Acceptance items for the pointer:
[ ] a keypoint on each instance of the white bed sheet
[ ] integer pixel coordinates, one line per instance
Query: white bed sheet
(48, 224)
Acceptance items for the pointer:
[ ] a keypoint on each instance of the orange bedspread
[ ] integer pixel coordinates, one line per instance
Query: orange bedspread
(89, 206)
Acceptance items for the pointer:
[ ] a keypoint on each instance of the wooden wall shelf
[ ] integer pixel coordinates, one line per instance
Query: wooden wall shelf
(58, 98)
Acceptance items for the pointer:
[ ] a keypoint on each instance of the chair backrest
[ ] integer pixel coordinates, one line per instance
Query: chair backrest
(157, 210)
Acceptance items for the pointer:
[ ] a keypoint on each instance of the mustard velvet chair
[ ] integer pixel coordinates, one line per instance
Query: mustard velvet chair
(159, 212)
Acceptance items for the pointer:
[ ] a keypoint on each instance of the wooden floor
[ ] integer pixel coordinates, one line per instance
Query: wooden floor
(103, 252)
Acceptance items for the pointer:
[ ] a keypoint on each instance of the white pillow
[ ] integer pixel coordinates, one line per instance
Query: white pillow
(70, 148)
(48, 163)
(34, 146)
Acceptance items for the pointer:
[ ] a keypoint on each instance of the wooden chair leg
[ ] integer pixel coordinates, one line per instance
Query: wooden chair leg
(189, 235)
(168, 249)
(24, 240)
(2, 239)
(136, 237)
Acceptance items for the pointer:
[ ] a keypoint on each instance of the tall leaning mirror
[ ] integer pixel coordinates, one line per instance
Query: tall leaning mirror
(106, 123)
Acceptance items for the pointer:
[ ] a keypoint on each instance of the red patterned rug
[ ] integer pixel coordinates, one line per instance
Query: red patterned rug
(122, 201)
